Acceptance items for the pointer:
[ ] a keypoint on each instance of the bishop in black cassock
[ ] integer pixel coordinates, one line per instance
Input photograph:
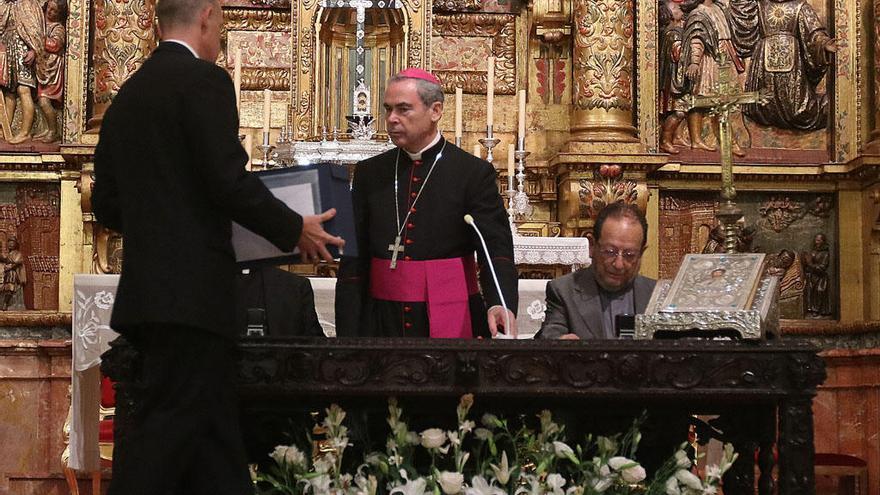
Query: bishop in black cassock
(433, 287)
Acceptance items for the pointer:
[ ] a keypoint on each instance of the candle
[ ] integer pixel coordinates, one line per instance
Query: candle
(236, 77)
(522, 116)
(490, 91)
(478, 150)
(511, 159)
(458, 111)
(248, 147)
(267, 110)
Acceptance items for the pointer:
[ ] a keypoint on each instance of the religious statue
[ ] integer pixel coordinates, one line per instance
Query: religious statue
(672, 109)
(50, 69)
(22, 37)
(817, 293)
(707, 50)
(14, 274)
(790, 51)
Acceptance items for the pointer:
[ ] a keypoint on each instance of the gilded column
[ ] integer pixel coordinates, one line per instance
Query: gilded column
(123, 38)
(874, 145)
(602, 71)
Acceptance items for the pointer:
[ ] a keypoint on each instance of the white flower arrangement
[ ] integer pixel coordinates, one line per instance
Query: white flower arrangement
(488, 460)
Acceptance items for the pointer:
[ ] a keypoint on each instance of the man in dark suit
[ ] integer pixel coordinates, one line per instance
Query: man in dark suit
(585, 304)
(286, 300)
(170, 177)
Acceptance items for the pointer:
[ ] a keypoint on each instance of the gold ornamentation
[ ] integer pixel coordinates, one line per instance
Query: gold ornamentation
(306, 49)
(302, 129)
(415, 48)
(456, 5)
(256, 20)
(258, 79)
(502, 30)
(606, 187)
(123, 40)
(603, 54)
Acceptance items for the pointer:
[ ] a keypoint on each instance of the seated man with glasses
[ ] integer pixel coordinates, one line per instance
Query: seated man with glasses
(585, 304)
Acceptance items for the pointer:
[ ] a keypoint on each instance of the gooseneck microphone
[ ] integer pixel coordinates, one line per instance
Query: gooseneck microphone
(468, 219)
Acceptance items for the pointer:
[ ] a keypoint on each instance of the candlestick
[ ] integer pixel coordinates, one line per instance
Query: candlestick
(458, 93)
(490, 92)
(236, 77)
(522, 114)
(267, 110)
(489, 142)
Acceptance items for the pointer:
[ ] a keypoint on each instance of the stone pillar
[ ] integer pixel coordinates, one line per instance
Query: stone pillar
(123, 38)
(603, 71)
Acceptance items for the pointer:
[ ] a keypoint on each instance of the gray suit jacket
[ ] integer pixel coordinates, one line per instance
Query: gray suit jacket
(574, 305)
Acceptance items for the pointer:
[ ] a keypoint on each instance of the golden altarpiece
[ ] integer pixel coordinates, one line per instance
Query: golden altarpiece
(598, 128)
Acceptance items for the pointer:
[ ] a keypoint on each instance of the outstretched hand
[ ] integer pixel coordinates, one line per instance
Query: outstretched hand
(314, 239)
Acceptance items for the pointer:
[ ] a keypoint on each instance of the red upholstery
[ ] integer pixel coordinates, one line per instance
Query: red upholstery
(108, 395)
(105, 432)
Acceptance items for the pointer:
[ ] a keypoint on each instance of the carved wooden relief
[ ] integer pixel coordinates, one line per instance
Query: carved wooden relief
(496, 32)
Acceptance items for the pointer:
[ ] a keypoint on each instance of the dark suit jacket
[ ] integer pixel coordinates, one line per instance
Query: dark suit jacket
(574, 305)
(287, 299)
(170, 176)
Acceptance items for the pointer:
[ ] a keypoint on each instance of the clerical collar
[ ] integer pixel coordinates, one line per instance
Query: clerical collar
(418, 156)
(184, 43)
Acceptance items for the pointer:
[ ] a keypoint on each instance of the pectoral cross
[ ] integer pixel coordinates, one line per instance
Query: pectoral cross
(395, 249)
(726, 99)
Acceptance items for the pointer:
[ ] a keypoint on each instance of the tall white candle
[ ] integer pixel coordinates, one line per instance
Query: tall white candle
(522, 115)
(510, 165)
(267, 109)
(490, 91)
(458, 93)
(236, 76)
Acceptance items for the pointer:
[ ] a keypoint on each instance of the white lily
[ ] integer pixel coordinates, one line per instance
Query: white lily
(479, 486)
(411, 487)
(555, 482)
(502, 473)
(451, 483)
(689, 479)
(561, 449)
(672, 486)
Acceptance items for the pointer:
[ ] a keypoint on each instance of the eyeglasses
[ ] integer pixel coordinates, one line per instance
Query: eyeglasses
(611, 254)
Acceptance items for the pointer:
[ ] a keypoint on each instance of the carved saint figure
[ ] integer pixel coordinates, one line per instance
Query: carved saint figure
(50, 68)
(14, 274)
(790, 53)
(21, 44)
(672, 109)
(817, 294)
(707, 49)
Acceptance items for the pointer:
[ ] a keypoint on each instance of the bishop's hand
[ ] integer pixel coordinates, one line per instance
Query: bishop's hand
(497, 321)
(314, 239)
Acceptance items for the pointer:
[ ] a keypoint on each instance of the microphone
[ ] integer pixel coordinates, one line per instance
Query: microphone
(469, 219)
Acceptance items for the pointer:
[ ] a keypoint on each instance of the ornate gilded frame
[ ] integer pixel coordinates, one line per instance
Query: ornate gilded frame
(501, 29)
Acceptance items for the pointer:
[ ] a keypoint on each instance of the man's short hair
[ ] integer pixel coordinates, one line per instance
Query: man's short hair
(175, 13)
(429, 92)
(619, 210)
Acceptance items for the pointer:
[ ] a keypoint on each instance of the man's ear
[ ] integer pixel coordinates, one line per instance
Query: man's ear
(436, 111)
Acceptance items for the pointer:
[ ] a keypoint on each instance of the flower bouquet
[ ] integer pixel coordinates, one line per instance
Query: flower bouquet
(490, 459)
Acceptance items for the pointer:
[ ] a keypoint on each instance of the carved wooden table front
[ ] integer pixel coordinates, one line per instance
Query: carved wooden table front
(762, 391)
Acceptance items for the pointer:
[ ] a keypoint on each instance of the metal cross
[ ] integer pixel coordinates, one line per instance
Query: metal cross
(726, 99)
(395, 249)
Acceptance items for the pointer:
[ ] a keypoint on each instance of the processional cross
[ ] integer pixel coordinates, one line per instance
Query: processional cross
(726, 99)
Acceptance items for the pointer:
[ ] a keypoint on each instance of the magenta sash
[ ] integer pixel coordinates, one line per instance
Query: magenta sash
(443, 284)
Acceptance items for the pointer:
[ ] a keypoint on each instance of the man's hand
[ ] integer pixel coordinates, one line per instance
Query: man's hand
(496, 321)
(569, 336)
(314, 239)
(29, 57)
